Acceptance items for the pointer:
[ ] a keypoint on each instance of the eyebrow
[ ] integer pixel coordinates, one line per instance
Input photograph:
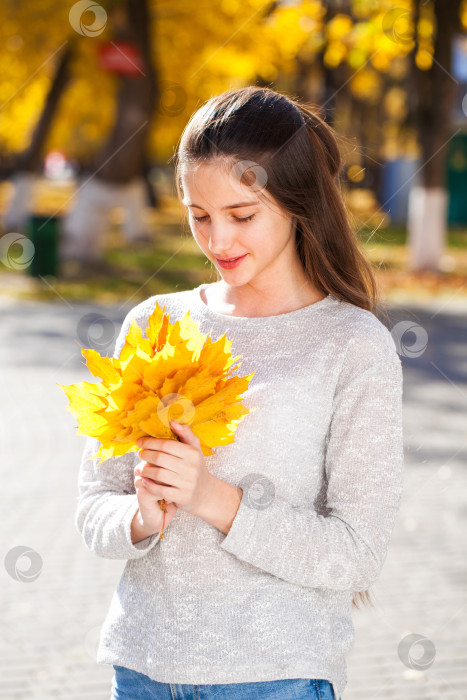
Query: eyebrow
(229, 206)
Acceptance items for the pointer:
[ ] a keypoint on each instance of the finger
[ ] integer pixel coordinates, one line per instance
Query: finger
(146, 495)
(166, 492)
(170, 447)
(147, 471)
(161, 475)
(160, 459)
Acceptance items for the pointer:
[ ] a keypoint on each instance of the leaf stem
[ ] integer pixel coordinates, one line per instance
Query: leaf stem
(162, 506)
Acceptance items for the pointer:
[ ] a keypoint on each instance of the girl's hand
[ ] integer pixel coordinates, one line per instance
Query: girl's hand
(176, 471)
(150, 513)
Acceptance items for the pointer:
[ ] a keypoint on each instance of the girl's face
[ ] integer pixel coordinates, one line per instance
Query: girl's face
(258, 229)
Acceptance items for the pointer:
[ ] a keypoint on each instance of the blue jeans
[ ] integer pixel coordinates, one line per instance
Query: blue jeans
(131, 685)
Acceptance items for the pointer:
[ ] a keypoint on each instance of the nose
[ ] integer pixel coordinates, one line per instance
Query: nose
(220, 241)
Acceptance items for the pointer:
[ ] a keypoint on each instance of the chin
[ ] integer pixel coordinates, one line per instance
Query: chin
(235, 283)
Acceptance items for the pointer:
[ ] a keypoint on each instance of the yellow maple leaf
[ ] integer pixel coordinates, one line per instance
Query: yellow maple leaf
(175, 373)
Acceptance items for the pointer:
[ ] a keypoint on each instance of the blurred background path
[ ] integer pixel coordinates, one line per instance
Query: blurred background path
(51, 620)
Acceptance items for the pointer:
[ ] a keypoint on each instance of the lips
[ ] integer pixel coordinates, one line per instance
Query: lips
(230, 259)
(228, 265)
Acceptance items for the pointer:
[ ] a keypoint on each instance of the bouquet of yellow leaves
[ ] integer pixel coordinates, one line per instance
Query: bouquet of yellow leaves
(176, 373)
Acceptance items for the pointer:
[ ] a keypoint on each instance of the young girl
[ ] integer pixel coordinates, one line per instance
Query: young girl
(270, 541)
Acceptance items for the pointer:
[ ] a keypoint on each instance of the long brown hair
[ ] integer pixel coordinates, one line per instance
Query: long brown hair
(298, 157)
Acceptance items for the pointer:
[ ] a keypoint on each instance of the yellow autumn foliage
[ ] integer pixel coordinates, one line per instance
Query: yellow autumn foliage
(175, 373)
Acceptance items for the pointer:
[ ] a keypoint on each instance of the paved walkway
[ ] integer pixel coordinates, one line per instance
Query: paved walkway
(51, 623)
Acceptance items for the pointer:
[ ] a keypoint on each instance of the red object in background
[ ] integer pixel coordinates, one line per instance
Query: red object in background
(123, 57)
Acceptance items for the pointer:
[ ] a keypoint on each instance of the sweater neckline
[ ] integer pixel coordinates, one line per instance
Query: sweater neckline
(257, 320)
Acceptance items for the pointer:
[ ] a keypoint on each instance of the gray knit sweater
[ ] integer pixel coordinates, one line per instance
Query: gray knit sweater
(321, 466)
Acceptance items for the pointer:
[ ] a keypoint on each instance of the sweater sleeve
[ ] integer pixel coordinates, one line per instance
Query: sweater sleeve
(107, 500)
(363, 466)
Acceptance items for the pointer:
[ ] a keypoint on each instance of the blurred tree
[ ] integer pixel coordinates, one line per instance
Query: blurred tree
(117, 173)
(197, 54)
(27, 164)
(431, 106)
(351, 56)
(391, 51)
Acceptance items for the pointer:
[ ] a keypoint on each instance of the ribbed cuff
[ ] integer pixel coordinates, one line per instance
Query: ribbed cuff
(135, 551)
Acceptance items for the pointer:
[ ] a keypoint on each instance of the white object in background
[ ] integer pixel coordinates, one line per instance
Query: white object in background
(19, 209)
(85, 225)
(426, 226)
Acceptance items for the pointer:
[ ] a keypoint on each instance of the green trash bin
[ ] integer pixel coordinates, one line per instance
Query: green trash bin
(456, 179)
(43, 231)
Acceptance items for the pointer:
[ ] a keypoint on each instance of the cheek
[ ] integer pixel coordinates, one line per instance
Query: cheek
(274, 236)
(196, 232)
(261, 237)
(202, 237)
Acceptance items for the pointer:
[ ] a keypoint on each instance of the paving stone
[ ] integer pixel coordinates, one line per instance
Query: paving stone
(50, 625)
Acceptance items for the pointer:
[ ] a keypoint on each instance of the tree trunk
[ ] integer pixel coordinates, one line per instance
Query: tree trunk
(118, 172)
(123, 156)
(334, 79)
(432, 106)
(28, 163)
